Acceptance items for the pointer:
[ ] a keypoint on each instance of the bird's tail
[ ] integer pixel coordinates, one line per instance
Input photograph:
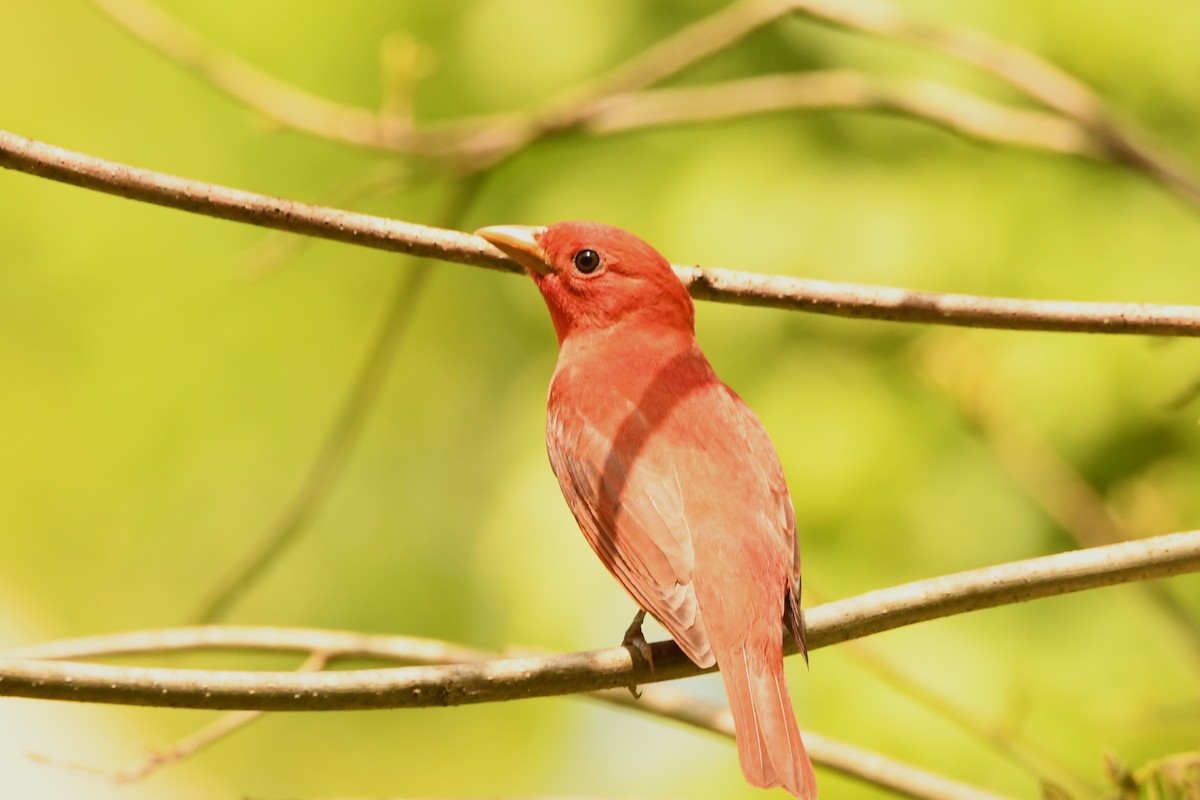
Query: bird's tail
(768, 740)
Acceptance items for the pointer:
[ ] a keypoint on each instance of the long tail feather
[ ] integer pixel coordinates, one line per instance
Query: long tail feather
(768, 739)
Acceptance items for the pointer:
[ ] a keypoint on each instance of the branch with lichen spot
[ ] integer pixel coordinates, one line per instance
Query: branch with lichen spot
(721, 285)
(514, 678)
(326, 647)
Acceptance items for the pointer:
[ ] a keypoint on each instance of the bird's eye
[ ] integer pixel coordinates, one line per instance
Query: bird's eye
(586, 261)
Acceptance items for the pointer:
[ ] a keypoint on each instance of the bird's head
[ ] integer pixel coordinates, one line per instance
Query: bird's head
(596, 277)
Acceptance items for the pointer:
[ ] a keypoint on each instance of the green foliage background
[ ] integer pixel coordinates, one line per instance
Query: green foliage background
(161, 397)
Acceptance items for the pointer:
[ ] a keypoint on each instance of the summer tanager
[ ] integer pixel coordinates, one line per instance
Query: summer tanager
(671, 477)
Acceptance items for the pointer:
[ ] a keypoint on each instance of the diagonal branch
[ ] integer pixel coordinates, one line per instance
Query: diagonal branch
(842, 757)
(347, 427)
(1053, 484)
(1034, 76)
(330, 460)
(508, 679)
(274, 98)
(224, 726)
(823, 297)
(1036, 760)
(689, 46)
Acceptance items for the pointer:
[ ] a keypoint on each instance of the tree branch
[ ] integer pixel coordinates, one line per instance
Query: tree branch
(854, 762)
(903, 305)
(155, 758)
(1085, 127)
(955, 110)
(1037, 761)
(1053, 484)
(266, 94)
(347, 427)
(1033, 76)
(326, 646)
(483, 138)
(801, 294)
(136, 183)
(513, 678)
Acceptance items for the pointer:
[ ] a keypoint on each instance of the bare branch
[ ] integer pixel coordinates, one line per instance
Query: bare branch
(329, 645)
(266, 94)
(483, 139)
(1047, 478)
(957, 111)
(514, 678)
(330, 461)
(699, 41)
(337, 645)
(276, 248)
(847, 759)
(1031, 757)
(224, 726)
(895, 775)
(210, 638)
(904, 305)
(1034, 76)
(800, 294)
(135, 183)
(487, 139)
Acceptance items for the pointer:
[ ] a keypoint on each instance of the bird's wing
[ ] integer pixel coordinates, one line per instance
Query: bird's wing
(778, 516)
(629, 505)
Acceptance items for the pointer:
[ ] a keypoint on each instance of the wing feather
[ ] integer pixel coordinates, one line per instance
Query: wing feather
(630, 507)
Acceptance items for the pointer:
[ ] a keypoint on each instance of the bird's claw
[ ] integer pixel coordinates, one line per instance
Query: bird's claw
(634, 639)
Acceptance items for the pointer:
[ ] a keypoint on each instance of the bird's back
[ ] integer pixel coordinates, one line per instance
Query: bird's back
(676, 485)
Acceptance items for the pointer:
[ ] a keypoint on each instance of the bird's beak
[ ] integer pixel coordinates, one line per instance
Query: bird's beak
(520, 243)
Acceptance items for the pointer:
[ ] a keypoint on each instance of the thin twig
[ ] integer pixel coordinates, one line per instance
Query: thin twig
(507, 679)
(824, 297)
(331, 459)
(689, 46)
(1053, 484)
(853, 762)
(276, 248)
(1030, 756)
(330, 462)
(226, 725)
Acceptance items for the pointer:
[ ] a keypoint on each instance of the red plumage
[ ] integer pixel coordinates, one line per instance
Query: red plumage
(671, 477)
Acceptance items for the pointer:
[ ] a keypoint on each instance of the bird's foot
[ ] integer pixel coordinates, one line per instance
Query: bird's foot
(635, 639)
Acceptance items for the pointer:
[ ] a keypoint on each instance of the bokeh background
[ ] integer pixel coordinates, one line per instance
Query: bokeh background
(167, 379)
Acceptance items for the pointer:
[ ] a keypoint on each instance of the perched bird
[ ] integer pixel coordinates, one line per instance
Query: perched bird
(671, 477)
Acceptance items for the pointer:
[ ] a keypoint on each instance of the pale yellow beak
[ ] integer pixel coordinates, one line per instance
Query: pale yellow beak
(520, 243)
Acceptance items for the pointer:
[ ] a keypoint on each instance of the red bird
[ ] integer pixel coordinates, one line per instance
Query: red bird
(671, 477)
